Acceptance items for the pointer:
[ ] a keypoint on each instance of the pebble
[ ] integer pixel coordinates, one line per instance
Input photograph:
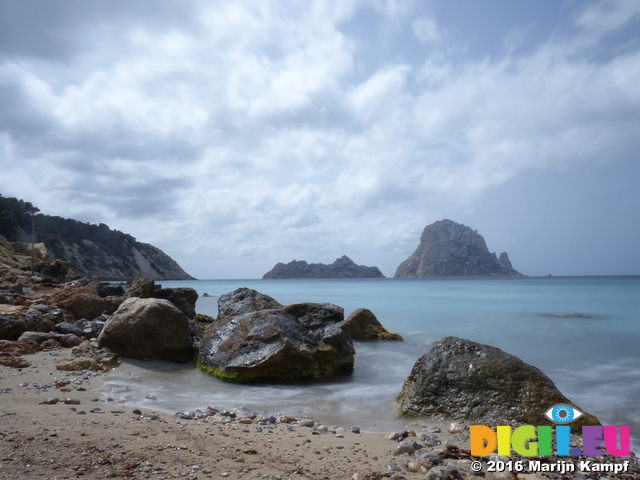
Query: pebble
(437, 473)
(355, 430)
(393, 467)
(403, 448)
(307, 422)
(49, 401)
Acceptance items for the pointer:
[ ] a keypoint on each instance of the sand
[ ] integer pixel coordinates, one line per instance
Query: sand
(92, 437)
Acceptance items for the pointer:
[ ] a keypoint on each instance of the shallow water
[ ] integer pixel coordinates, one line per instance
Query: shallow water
(583, 332)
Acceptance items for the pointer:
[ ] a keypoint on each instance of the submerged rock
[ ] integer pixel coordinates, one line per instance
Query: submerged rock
(302, 341)
(148, 328)
(363, 325)
(462, 379)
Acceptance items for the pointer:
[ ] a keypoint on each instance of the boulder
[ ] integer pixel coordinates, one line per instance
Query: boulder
(105, 289)
(66, 327)
(87, 357)
(184, 298)
(81, 302)
(461, 379)
(244, 300)
(90, 328)
(141, 288)
(15, 320)
(56, 269)
(363, 325)
(111, 304)
(66, 340)
(148, 328)
(302, 341)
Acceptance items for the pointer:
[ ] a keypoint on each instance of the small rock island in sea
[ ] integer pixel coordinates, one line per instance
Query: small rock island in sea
(343, 267)
(450, 249)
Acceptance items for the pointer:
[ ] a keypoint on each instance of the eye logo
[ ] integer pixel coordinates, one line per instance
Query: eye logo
(563, 414)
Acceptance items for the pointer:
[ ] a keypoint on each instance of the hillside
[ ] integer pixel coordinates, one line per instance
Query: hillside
(94, 250)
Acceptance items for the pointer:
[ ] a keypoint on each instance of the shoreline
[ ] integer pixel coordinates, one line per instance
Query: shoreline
(85, 435)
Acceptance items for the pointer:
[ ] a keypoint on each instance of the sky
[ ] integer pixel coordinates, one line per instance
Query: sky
(234, 135)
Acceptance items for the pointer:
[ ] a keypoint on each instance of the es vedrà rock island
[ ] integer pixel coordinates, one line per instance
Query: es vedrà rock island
(54, 300)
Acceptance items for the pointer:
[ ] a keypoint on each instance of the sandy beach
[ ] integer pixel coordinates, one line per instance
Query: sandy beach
(95, 435)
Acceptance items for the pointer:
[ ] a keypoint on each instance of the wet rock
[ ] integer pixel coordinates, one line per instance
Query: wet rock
(91, 328)
(66, 327)
(148, 328)
(462, 379)
(363, 325)
(244, 300)
(302, 341)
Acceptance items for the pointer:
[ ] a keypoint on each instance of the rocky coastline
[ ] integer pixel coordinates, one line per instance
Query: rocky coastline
(58, 420)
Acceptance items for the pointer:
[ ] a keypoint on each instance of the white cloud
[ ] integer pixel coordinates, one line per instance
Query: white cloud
(426, 30)
(264, 133)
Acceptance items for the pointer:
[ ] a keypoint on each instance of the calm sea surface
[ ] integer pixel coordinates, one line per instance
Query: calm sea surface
(583, 332)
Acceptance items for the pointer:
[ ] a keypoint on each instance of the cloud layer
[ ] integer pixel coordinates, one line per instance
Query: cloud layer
(237, 135)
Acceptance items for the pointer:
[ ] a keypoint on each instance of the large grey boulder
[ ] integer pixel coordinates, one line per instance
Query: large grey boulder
(302, 341)
(363, 325)
(244, 300)
(148, 328)
(465, 380)
(15, 320)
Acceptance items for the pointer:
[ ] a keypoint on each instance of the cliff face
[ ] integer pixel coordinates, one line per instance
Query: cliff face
(135, 259)
(94, 250)
(449, 249)
(343, 267)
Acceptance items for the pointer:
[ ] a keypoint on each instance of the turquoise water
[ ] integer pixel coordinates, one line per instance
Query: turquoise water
(583, 332)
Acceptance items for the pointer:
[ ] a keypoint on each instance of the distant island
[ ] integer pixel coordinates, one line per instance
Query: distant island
(94, 251)
(450, 249)
(343, 267)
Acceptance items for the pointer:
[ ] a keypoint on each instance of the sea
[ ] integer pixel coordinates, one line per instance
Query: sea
(582, 332)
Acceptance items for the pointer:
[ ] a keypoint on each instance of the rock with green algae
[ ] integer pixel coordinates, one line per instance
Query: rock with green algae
(363, 325)
(465, 380)
(297, 342)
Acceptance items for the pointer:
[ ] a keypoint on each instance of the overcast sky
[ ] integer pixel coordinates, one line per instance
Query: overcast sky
(235, 135)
